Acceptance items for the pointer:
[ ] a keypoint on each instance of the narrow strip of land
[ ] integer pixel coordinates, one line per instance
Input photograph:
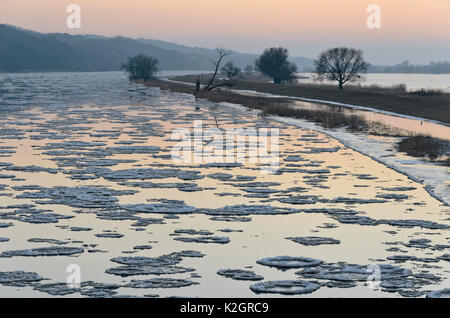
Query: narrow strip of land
(417, 146)
(425, 104)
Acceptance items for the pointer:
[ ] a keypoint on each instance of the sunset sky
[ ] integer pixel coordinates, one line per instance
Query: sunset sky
(417, 30)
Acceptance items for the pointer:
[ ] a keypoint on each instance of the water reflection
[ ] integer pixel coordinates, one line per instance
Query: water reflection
(86, 165)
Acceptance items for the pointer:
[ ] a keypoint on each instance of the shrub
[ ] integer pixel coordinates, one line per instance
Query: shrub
(140, 67)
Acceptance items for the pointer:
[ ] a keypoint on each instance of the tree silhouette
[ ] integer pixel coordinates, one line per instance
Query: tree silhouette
(140, 67)
(222, 53)
(231, 72)
(274, 63)
(341, 64)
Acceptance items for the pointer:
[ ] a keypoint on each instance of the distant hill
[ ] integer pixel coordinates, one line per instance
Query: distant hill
(29, 51)
(202, 55)
(24, 50)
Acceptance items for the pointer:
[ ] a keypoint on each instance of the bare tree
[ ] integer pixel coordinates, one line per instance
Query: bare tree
(341, 64)
(222, 52)
(231, 72)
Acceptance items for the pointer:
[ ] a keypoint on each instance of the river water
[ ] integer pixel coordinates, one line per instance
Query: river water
(88, 186)
(412, 81)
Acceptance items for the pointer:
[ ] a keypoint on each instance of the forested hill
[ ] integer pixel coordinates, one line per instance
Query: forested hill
(23, 50)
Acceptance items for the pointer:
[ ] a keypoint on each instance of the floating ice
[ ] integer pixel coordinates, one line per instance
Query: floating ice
(164, 207)
(134, 149)
(231, 218)
(220, 176)
(50, 241)
(204, 239)
(393, 196)
(44, 251)
(32, 169)
(142, 247)
(125, 271)
(56, 289)
(109, 235)
(239, 274)
(285, 287)
(83, 197)
(19, 278)
(300, 199)
(193, 232)
(164, 260)
(286, 262)
(444, 293)
(356, 200)
(80, 229)
(314, 240)
(160, 283)
(414, 223)
(243, 209)
(294, 159)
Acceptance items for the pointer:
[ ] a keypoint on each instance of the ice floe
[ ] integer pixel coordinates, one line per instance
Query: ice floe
(239, 274)
(287, 262)
(285, 287)
(314, 240)
(44, 251)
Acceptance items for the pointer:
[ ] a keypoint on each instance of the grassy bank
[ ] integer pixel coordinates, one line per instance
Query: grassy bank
(425, 146)
(417, 146)
(271, 106)
(430, 104)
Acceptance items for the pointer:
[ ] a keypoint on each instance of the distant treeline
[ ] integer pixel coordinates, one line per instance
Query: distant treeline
(406, 67)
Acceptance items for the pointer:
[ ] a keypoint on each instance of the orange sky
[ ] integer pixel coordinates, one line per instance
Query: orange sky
(418, 30)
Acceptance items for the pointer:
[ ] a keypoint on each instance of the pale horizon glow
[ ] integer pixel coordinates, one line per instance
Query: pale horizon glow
(414, 30)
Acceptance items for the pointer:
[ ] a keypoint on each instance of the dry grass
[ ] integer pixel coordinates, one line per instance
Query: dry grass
(271, 106)
(417, 146)
(430, 104)
(328, 119)
(430, 93)
(424, 146)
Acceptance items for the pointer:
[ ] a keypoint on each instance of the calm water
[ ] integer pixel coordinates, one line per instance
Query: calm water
(86, 173)
(412, 81)
(402, 126)
(103, 88)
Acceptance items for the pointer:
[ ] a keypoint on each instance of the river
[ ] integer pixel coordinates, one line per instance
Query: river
(412, 81)
(88, 186)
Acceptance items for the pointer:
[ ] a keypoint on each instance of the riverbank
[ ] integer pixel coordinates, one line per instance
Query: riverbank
(428, 104)
(353, 131)
(329, 118)
(280, 106)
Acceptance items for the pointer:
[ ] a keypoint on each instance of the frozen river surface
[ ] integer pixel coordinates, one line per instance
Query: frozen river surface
(88, 188)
